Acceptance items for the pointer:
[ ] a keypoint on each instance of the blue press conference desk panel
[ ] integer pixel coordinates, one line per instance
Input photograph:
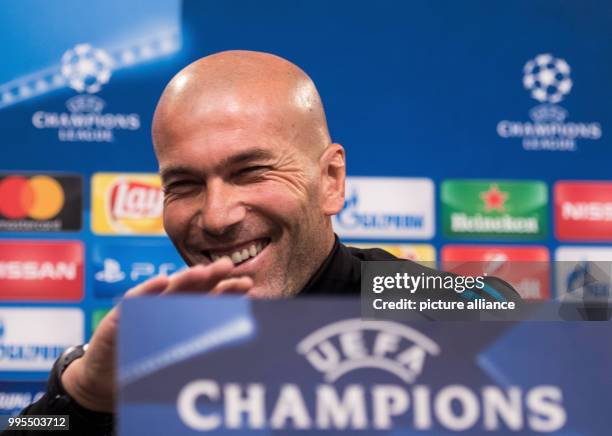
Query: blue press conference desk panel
(215, 365)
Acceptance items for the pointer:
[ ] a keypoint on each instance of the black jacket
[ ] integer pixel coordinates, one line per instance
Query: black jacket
(340, 274)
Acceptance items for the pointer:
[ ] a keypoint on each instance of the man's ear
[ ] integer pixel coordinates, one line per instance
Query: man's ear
(333, 175)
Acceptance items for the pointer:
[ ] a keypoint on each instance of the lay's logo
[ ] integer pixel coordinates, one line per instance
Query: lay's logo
(127, 204)
(135, 200)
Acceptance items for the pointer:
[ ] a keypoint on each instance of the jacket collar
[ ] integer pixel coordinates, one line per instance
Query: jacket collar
(340, 274)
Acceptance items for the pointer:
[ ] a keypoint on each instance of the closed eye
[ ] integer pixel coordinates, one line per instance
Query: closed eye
(181, 187)
(252, 171)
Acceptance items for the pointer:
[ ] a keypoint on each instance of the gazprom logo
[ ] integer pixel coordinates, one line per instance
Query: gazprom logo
(353, 344)
(351, 217)
(387, 207)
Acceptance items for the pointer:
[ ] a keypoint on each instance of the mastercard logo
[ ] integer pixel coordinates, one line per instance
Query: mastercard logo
(37, 197)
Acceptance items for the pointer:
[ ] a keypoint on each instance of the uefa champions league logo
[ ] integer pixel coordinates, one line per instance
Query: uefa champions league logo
(86, 68)
(548, 78)
(342, 347)
(381, 361)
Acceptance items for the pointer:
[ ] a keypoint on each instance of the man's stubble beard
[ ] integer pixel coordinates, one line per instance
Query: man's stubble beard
(307, 254)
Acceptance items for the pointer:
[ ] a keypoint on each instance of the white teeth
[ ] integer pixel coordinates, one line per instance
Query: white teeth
(242, 255)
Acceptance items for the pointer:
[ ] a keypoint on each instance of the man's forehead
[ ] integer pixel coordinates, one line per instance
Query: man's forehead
(258, 99)
(228, 113)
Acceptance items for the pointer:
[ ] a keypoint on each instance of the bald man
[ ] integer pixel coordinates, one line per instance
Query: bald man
(251, 179)
(249, 170)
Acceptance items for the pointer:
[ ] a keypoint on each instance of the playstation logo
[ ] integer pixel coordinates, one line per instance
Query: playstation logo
(111, 273)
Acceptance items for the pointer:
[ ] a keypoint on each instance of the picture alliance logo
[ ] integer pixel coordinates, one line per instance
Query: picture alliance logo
(548, 80)
(86, 69)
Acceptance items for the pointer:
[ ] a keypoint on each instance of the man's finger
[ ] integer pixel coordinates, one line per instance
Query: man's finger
(237, 285)
(152, 286)
(200, 278)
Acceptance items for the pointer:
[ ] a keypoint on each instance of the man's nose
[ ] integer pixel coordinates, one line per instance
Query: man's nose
(221, 209)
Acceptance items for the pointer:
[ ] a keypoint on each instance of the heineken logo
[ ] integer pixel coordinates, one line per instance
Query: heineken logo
(505, 209)
(461, 222)
(494, 199)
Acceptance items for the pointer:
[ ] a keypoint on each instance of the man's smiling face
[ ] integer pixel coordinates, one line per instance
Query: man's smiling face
(241, 179)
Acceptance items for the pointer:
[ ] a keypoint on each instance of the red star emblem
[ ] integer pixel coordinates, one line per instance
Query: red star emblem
(494, 199)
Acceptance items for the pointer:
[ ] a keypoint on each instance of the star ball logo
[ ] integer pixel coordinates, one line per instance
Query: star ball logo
(86, 69)
(547, 78)
(40, 203)
(499, 209)
(548, 81)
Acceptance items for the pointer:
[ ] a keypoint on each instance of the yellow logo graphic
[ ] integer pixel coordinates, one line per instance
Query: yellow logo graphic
(415, 252)
(127, 204)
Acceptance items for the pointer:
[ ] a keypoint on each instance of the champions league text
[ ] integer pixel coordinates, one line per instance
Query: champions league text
(336, 350)
(376, 407)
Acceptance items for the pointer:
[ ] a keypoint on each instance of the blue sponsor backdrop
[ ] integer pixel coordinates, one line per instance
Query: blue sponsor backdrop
(411, 89)
(122, 265)
(14, 396)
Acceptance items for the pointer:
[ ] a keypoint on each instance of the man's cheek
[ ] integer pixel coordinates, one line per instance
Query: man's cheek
(169, 225)
(175, 228)
(278, 198)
